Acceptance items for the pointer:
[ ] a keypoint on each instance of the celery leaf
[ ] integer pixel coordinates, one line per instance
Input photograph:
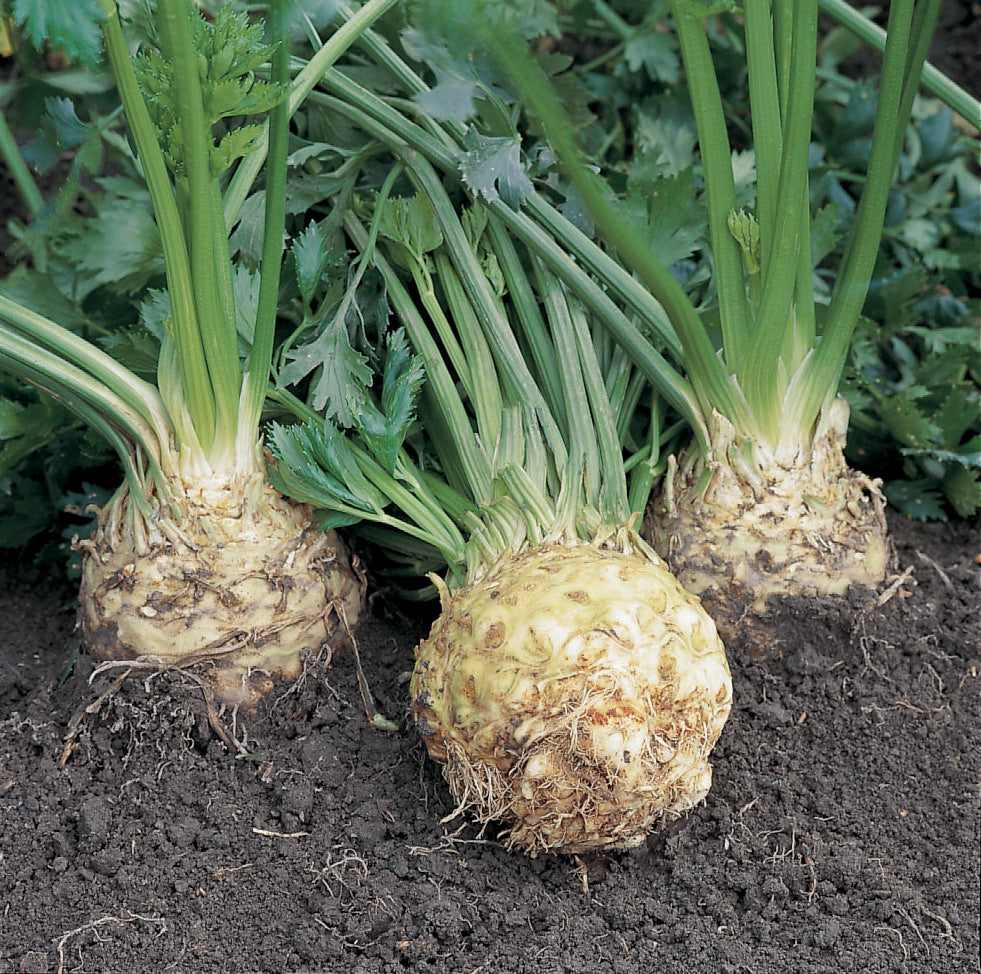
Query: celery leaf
(411, 223)
(71, 25)
(342, 372)
(450, 99)
(41, 294)
(824, 233)
(59, 131)
(655, 52)
(668, 216)
(318, 466)
(904, 420)
(492, 168)
(383, 430)
(310, 255)
(246, 239)
(457, 86)
(963, 489)
(120, 246)
(916, 499)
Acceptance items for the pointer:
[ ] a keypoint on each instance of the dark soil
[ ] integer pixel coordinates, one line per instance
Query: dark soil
(841, 833)
(954, 51)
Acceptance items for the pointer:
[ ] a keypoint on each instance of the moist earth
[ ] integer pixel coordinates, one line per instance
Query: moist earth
(143, 832)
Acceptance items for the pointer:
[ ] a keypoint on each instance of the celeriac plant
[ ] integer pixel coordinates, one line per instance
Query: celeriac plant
(197, 557)
(763, 501)
(570, 687)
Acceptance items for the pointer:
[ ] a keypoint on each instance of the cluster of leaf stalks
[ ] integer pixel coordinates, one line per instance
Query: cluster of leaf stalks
(761, 405)
(195, 557)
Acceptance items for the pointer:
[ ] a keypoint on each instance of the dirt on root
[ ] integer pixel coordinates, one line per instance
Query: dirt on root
(841, 833)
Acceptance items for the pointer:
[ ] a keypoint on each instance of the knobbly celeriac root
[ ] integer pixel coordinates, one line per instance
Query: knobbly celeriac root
(241, 581)
(573, 693)
(742, 528)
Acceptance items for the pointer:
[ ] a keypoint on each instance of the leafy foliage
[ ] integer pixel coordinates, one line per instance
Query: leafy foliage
(229, 53)
(665, 208)
(384, 428)
(915, 391)
(120, 244)
(339, 369)
(914, 376)
(69, 25)
(45, 457)
(493, 168)
(59, 131)
(322, 464)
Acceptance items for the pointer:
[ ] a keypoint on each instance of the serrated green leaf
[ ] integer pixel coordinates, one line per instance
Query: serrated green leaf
(308, 152)
(155, 312)
(655, 52)
(917, 499)
(450, 99)
(136, 348)
(237, 143)
(74, 26)
(962, 487)
(59, 131)
(383, 430)
(935, 461)
(411, 223)
(246, 239)
(958, 413)
(27, 428)
(943, 369)
(492, 168)
(938, 138)
(312, 189)
(310, 255)
(668, 138)
(233, 44)
(255, 98)
(228, 52)
(342, 372)
(824, 232)
(41, 293)
(245, 289)
(222, 98)
(21, 516)
(904, 420)
(923, 235)
(857, 118)
(669, 217)
(120, 246)
(317, 466)
(575, 97)
(892, 299)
